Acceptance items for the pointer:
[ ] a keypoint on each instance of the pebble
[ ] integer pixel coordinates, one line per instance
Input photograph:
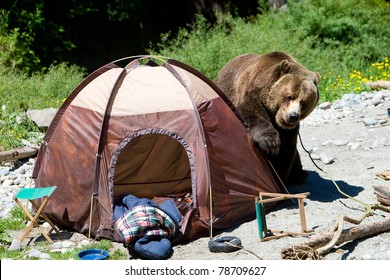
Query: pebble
(341, 142)
(349, 105)
(370, 121)
(325, 105)
(315, 156)
(15, 245)
(326, 159)
(34, 254)
(45, 256)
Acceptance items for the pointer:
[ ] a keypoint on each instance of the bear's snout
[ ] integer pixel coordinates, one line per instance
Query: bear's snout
(293, 117)
(292, 114)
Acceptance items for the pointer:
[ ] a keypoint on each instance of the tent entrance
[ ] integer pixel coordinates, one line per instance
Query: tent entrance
(150, 165)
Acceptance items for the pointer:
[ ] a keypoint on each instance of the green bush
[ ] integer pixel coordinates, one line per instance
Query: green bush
(333, 38)
(20, 92)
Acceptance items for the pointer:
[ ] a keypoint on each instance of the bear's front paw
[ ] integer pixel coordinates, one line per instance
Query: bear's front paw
(268, 141)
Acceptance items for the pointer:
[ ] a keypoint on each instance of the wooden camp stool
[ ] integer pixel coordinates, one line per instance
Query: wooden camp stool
(267, 234)
(31, 194)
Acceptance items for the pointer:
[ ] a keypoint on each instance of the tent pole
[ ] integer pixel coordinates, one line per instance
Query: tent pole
(90, 219)
(211, 214)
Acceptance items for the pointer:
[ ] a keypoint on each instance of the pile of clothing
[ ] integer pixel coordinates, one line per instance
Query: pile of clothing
(146, 227)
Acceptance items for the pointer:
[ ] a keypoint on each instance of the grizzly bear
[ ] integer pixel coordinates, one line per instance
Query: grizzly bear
(272, 93)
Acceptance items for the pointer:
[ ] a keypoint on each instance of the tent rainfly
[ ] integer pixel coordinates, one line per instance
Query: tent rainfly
(157, 131)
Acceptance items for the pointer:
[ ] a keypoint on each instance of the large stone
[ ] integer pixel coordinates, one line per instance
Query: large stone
(42, 118)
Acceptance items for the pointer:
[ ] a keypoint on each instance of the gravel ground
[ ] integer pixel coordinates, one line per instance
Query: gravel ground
(355, 153)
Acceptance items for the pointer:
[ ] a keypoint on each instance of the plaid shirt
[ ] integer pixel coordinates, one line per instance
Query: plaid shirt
(145, 220)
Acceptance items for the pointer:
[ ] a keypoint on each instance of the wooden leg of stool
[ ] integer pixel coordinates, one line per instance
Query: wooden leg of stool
(53, 227)
(31, 225)
(302, 214)
(34, 220)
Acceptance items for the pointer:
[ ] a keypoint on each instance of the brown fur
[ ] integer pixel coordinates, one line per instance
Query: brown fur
(273, 93)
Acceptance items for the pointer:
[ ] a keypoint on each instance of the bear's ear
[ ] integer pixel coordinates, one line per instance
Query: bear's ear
(284, 67)
(317, 78)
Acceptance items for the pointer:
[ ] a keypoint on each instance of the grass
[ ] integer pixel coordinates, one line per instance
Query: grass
(20, 92)
(17, 221)
(14, 222)
(336, 84)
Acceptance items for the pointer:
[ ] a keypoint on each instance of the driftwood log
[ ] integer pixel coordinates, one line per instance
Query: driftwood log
(308, 249)
(382, 194)
(384, 175)
(18, 154)
(378, 84)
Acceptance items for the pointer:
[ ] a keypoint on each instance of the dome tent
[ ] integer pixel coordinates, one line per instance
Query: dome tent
(154, 130)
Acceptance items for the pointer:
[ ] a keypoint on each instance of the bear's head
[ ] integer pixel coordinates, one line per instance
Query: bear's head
(294, 94)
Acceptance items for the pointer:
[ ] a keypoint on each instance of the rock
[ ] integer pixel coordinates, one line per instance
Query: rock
(337, 105)
(56, 245)
(366, 257)
(327, 142)
(20, 170)
(368, 95)
(42, 118)
(85, 242)
(359, 107)
(45, 256)
(68, 244)
(34, 253)
(15, 245)
(7, 183)
(375, 102)
(4, 172)
(326, 159)
(325, 105)
(354, 146)
(370, 121)
(341, 142)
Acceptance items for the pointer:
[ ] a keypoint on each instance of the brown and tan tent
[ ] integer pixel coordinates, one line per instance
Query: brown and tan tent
(153, 130)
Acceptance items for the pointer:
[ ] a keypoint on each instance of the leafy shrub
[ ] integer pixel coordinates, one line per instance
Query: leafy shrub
(324, 35)
(20, 92)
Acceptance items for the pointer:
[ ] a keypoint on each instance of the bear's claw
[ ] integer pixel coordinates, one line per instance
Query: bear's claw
(270, 145)
(269, 142)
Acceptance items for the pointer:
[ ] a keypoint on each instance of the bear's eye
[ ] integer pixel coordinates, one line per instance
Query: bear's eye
(289, 98)
(303, 103)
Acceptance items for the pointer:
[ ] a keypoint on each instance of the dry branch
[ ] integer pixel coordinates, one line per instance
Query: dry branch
(18, 154)
(308, 250)
(379, 84)
(384, 175)
(382, 194)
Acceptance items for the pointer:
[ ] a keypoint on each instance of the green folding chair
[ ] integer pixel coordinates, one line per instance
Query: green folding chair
(32, 194)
